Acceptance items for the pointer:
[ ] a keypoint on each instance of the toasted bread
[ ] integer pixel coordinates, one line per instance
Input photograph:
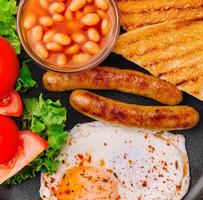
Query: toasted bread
(136, 14)
(172, 51)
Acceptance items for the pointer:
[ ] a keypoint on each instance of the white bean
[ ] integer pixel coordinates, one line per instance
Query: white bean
(61, 60)
(93, 34)
(76, 5)
(102, 4)
(29, 21)
(79, 37)
(37, 33)
(62, 39)
(48, 36)
(44, 4)
(105, 26)
(81, 58)
(90, 19)
(72, 49)
(58, 18)
(53, 46)
(41, 51)
(91, 47)
(46, 21)
(56, 7)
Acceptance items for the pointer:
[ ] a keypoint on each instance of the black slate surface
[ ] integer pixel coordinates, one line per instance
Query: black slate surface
(29, 190)
(194, 137)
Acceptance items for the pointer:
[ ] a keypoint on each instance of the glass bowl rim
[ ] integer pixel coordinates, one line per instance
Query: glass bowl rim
(47, 66)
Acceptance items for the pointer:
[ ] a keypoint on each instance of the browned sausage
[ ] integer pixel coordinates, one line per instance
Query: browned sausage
(147, 117)
(109, 78)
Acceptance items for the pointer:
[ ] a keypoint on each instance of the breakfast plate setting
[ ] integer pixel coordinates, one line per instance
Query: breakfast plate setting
(101, 99)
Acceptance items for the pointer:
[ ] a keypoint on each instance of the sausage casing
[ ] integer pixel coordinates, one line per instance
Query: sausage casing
(109, 78)
(147, 117)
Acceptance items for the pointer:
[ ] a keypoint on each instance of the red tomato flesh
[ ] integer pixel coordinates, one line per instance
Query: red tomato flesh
(32, 146)
(11, 105)
(9, 139)
(9, 67)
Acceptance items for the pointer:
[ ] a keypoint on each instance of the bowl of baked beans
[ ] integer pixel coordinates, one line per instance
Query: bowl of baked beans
(68, 35)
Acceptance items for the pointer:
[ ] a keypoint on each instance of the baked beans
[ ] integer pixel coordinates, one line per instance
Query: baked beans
(67, 32)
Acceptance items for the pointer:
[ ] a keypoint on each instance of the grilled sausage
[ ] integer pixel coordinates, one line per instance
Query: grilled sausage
(147, 117)
(109, 78)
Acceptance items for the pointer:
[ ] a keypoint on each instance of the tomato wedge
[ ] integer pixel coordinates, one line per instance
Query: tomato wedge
(32, 146)
(11, 105)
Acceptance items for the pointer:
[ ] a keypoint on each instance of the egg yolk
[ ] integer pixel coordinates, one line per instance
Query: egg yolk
(88, 183)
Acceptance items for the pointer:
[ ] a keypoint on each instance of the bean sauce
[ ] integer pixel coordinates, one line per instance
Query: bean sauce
(67, 33)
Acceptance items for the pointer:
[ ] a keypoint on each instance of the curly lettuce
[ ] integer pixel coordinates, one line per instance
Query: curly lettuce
(25, 81)
(48, 119)
(8, 10)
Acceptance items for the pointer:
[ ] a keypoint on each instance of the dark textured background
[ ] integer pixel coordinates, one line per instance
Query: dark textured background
(29, 190)
(194, 137)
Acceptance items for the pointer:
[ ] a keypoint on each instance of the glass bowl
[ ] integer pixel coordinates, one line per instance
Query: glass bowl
(104, 52)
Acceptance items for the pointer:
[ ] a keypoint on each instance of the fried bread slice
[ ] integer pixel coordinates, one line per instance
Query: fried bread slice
(172, 51)
(139, 13)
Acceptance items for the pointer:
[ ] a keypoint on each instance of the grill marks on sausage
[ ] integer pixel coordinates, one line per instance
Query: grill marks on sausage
(103, 76)
(142, 13)
(168, 49)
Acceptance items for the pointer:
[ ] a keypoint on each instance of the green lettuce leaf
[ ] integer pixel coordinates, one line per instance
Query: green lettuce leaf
(25, 81)
(48, 119)
(8, 10)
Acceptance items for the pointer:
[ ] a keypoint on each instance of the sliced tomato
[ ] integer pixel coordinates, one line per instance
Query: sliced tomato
(9, 67)
(32, 146)
(11, 105)
(9, 139)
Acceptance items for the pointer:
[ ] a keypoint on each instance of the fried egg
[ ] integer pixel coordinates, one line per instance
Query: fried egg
(100, 161)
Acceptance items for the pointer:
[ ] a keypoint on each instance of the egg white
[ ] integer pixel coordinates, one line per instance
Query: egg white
(149, 165)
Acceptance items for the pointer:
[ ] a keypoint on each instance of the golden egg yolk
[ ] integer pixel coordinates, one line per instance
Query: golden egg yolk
(88, 183)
